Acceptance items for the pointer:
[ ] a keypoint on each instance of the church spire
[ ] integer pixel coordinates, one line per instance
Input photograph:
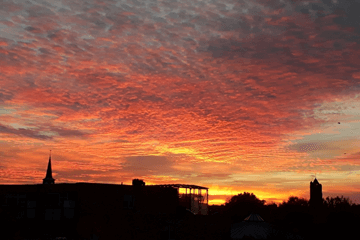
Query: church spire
(49, 179)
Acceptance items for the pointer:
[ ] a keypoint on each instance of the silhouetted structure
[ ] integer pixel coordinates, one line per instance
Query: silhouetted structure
(315, 193)
(192, 197)
(254, 227)
(48, 178)
(82, 209)
(138, 183)
(66, 206)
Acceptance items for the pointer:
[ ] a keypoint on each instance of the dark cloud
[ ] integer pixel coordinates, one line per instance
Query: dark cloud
(349, 16)
(39, 11)
(5, 95)
(9, 6)
(148, 165)
(310, 147)
(31, 29)
(345, 11)
(5, 155)
(214, 175)
(77, 174)
(23, 132)
(63, 132)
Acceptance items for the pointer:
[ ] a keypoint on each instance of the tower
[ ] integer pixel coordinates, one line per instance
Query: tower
(315, 193)
(49, 179)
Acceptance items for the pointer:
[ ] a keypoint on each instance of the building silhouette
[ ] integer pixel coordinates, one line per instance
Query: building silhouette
(80, 209)
(192, 197)
(315, 193)
(48, 178)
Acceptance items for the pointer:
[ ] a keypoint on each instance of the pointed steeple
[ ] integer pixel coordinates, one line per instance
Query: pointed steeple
(49, 179)
(316, 181)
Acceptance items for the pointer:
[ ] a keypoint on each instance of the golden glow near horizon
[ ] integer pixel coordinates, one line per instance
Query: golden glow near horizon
(234, 96)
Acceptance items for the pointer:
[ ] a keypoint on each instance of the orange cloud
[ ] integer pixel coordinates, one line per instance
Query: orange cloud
(199, 94)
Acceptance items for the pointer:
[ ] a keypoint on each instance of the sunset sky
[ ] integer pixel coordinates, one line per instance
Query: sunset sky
(233, 95)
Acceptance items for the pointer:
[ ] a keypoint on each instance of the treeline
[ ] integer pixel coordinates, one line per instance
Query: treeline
(335, 217)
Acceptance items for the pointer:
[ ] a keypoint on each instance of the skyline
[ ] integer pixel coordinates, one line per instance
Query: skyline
(238, 96)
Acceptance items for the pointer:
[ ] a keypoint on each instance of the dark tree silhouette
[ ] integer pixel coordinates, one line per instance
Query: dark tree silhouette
(245, 198)
(295, 201)
(341, 217)
(338, 203)
(241, 205)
